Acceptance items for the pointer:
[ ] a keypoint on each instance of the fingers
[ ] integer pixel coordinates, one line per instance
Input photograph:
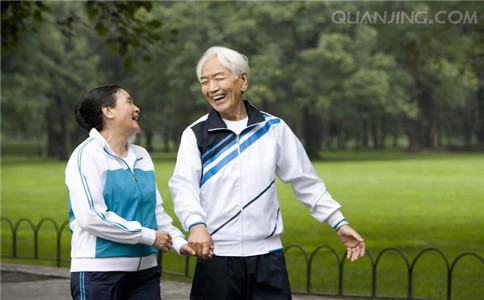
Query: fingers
(185, 250)
(203, 250)
(201, 242)
(355, 245)
(163, 241)
(207, 252)
(353, 253)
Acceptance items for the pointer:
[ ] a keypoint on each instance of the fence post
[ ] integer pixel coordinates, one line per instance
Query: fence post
(451, 269)
(313, 254)
(442, 254)
(59, 241)
(305, 255)
(187, 267)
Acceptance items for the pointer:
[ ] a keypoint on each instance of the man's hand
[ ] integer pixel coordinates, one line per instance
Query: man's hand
(201, 241)
(354, 243)
(163, 241)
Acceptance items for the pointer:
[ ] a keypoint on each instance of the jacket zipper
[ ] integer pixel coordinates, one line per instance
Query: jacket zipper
(141, 211)
(141, 204)
(241, 205)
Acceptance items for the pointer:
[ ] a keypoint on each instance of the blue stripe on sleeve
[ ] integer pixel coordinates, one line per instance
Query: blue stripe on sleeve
(334, 227)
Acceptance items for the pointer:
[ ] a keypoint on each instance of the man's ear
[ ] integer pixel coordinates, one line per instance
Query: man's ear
(244, 82)
(107, 112)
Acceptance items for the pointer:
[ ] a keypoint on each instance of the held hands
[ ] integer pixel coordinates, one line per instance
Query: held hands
(185, 250)
(354, 243)
(201, 242)
(164, 243)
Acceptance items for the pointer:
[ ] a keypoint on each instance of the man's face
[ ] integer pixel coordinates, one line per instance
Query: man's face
(222, 90)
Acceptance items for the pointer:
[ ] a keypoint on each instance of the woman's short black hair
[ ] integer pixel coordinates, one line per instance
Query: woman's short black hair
(89, 112)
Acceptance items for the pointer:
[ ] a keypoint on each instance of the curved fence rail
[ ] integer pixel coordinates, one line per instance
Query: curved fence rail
(308, 259)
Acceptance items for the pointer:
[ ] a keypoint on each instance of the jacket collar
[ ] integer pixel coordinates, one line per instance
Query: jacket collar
(214, 121)
(97, 136)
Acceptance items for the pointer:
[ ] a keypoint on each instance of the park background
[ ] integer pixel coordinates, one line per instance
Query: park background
(391, 114)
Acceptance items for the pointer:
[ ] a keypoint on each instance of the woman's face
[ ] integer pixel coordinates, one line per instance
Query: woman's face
(125, 113)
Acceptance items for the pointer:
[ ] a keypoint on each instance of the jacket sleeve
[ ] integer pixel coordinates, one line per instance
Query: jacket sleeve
(294, 167)
(165, 223)
(185, 182)
(84, 178)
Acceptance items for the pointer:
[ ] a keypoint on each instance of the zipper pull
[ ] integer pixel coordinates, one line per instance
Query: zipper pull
(135, 178)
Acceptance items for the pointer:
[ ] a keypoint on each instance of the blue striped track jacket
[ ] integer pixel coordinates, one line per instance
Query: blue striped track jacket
(114, 208)
(227, 181)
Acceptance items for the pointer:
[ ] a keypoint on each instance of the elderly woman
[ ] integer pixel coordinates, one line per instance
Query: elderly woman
(116, 216)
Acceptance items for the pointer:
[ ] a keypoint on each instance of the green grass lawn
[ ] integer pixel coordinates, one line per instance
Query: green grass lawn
(393, 199)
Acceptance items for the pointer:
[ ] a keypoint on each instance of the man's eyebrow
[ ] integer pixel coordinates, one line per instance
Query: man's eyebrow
(213, 75)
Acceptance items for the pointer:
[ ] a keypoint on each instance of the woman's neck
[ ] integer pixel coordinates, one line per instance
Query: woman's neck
(117, 143)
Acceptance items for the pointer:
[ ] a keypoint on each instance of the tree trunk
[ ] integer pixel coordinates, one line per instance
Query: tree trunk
(149, 141)
(426, 120)
(383, 133)
(166, 140)
(480, 111)
(365, 142)
(56, 131)
(411, 130)
(312, 133)
(374, 134)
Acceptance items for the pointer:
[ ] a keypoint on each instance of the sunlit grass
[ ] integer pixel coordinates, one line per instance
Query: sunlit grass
(393, 199)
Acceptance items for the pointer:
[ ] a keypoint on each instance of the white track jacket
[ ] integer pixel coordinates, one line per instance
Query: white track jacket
(114, 208)
(227, 181)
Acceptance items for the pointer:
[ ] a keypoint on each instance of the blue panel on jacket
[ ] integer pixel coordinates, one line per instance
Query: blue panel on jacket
(134, 201)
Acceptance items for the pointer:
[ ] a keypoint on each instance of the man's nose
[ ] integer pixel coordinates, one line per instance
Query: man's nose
(213, 86)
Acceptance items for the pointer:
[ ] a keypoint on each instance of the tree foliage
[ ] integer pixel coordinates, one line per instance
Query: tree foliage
(337, 85)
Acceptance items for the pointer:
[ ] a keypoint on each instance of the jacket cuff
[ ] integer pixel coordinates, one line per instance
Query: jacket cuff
(193, 220)
(178, 242)
(148, 236)
(335, 218)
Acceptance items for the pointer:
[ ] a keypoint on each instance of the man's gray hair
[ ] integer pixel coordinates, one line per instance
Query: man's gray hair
(231, 59)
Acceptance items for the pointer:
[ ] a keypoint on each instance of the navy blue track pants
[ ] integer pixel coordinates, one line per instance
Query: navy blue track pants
(142, 285)
(259, 277)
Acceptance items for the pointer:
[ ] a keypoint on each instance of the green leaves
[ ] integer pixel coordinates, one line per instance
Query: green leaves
(125, 25)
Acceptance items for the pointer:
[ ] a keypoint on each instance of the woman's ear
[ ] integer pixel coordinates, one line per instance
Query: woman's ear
(107, 112)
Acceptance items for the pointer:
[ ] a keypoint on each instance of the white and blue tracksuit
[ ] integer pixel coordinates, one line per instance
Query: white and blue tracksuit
(227, 181)
(114, 208)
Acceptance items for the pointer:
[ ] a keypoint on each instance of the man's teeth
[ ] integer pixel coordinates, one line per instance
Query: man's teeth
(219, 97)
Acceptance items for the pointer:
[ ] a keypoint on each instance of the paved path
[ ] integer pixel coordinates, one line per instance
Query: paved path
(57, 287)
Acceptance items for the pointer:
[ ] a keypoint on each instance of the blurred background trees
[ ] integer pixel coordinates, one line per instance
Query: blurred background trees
(339, 86)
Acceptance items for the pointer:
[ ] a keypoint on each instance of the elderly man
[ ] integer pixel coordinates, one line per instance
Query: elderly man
(225, 194)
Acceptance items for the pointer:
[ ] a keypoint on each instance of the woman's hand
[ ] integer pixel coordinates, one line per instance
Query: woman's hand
(163, 241)
(185, 250)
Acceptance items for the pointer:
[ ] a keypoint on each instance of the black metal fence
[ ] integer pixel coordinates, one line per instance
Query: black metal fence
(308, 259)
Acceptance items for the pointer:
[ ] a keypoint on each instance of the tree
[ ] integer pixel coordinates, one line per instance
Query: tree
(48, 74)
(117, 21)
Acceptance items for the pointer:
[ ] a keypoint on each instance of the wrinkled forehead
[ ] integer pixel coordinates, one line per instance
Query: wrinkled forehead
(213, 67)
